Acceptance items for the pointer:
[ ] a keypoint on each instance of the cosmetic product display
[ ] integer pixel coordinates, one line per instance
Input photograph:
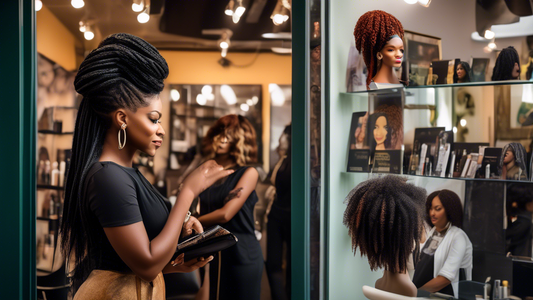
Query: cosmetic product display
(423, 151)
(46, 172)
(452, 164)
(54, 174)
(62, 166)
(496, 290)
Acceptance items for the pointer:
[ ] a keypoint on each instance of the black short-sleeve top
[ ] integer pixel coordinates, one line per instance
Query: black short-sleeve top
(118, 196)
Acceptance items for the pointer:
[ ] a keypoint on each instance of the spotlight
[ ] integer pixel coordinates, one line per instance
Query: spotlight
(224, 52)
(38, 5)
(174, 95)
(137, 6)
(250, 102)
(280, 14)
(240, 9)
(245, 107)
(463, 122)
(83, 27)
(229, 8)
(489, 35)
(492, 45)
(200, 99)
(224, 41)
(88, 35)
(235, 18)
(77, 3)
(144, 16)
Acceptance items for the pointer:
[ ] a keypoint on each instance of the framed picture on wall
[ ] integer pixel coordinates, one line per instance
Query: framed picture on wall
(421, 50)
(479, 67)
(508, 100)
(280, 117)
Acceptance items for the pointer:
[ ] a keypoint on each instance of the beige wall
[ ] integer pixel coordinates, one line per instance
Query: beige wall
(55, 41)
(200, 67)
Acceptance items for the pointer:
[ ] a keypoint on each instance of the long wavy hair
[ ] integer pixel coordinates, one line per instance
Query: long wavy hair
(372, 31)
(372, 123)
(241, 135)
(384, 217)
(123, 72)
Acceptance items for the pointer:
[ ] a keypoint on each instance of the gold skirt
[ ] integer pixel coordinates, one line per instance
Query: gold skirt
(103, 285)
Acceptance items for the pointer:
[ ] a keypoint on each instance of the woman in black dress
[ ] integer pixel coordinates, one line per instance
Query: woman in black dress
(235, 272)
(119, 231)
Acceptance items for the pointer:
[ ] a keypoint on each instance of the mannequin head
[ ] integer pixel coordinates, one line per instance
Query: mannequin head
(384, 220)
(462, 73)
(373, 31)
(231, 135)
(507, 65)
(381, 131)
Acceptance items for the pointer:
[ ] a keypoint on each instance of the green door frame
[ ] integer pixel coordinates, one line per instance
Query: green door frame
(300, 187)
(18, 130)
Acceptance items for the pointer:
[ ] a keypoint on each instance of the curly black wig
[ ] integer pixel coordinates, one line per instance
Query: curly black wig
(503, 68)
(384, 220)
(452, 207)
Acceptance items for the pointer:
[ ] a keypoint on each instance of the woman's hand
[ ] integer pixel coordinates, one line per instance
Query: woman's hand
(192, 224)
(179, 266)
(204, 176)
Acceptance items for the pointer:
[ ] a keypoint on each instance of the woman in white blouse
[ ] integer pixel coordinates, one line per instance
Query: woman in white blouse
(447, 251)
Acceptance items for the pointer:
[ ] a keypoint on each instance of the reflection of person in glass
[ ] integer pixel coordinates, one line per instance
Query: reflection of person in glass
(360, 133)
(519, 230)
(378, 35)
(507, 65)
(462, 73)
(375, 209)
(381, 132)
(513, 162)
(447, 249)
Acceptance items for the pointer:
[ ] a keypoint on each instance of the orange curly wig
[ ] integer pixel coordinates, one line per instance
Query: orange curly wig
(241, 135)
(372, 31)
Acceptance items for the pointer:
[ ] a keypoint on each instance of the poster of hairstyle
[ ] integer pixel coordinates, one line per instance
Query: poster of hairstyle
(358, 152)
(385, 130)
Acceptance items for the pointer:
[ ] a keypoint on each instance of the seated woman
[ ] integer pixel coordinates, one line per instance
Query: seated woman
(384, 220)
(447, 249)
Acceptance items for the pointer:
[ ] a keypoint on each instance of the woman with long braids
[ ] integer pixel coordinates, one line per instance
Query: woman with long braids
(507, 66)
(378, 36)
(119, 232)
(236, 272)
(384, 218)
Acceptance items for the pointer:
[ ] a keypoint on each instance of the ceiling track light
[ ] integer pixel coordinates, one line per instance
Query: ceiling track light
(411, 1)
(77, 3)
(224, 41)
(240, 9)
(280, 14)
(229, 8)
(88, 34)
(137, 5)
(489, 35)
(144, 16)
(38, 5)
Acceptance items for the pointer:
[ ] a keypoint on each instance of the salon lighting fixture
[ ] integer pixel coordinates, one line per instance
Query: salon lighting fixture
(463, 122)
(489, 35)
(228, 94)
(255, 100)
(207, 89)
(250, 102)
(88, 34)
(454, 129)
(280, 14)
(83, 26)
(224, 41)
(245, 107)
(77, 3)
(224, 52)
(200, 99)
(38, 5)
(144, 16)
(411, 1)
(229, 8)
(424, 3)
(276, 94)
(174, 95)
(240, 9)
(492, 45)
(137, 5)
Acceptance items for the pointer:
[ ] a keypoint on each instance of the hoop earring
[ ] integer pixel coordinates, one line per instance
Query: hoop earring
(121, 145)
(380, 56)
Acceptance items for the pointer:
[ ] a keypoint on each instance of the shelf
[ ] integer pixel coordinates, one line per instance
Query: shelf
(54, 132)
(435, 177)
(48, 219)
(481, 83)
(50, 187)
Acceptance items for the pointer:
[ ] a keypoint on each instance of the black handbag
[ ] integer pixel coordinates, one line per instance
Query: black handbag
(206, 243)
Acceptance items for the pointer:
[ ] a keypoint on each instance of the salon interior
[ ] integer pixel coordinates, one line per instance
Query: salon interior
(280, 63)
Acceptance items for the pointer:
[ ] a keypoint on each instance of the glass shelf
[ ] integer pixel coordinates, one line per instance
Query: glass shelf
(50, 187)
(54, 132)
(374, 175)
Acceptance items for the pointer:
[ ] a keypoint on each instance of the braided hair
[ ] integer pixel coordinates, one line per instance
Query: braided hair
(384, 219)
(503, 68)
(466, 67)
(122, 72)
(372, 31)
